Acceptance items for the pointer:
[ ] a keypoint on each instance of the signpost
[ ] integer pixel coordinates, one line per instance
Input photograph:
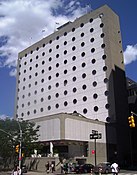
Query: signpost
(95, 135)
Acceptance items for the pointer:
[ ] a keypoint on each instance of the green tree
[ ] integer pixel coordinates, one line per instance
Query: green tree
(10, 137)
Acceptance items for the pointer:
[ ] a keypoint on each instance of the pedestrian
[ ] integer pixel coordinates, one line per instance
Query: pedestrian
(16, 171)
(52, 167)
(115, 168)
(47, 167)
(62, 167)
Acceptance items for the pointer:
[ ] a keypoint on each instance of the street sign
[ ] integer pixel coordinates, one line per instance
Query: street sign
(94, 132)
(96, 136)
(99, 136)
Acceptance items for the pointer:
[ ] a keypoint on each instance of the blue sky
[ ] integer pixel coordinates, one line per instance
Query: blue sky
(22, 23)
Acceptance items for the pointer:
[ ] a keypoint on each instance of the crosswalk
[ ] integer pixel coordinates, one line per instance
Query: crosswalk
(131, 173)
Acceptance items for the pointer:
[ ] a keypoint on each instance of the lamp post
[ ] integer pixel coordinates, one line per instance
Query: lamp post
(20, 143)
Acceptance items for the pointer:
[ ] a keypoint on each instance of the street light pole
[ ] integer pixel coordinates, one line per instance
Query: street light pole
(20, 143)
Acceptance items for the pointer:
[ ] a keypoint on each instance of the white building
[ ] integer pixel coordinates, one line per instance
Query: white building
(66, 82)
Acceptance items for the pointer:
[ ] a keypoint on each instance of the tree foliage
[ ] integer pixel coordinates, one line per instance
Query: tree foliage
(10, 137)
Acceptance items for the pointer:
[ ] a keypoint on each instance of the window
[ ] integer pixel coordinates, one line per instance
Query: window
(92, 50)
(49, 107)
(73, 39)
(83, 54)
(83, 75)
(92, 40)
(82, 44)
(57, 55)
(43, 53)
(65, 82)
(74, 89)
(49, 97)
(57, 85)
(96, 108)
(49, 77)
(105, 80)
(103, 46)
(74, 101)
(83, 64)
(94, 84)
(73, 29)
(91, 30)
(104, 68)
(94, 72)
(84, 87)
(74, 78)
(57, 74)
(57, 95)
(65, 42)
(57, 38)
(107, 106)
(74, 48)
(74, 58)
(84, 98)
(104, 57)
(65, 71)
(95, 96)
(93, 61)
(82, 24)
(50, 41)
(65, 52)
(65, 61)
(65, 103)
(37, 48)
(50, 50)
(102, 35)
(41, 109)
(57, 46)
(91, 20)
(106, 93)
(74, 68)
(57, 65)
(57, 105)
(50, 59)
(101, 25)
(65, 33)
(35, 111)
(85, 110)
(82, 34)
(43, 62)
(65, 92)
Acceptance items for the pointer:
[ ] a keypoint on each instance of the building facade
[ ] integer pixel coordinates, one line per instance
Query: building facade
(77, 71)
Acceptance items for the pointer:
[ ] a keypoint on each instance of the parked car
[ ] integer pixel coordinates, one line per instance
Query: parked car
(104, 167)
(86, 168)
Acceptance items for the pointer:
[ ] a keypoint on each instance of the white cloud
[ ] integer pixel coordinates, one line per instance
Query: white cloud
(23, 21)
(3, 117)
(130, 54)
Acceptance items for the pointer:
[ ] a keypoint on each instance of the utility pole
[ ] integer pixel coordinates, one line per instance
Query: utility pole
(95, 135)
(20, 143)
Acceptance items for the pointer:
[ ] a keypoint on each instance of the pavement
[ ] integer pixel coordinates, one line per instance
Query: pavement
(122, 172)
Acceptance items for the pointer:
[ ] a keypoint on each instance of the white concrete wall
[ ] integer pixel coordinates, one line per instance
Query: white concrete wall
(80, 130)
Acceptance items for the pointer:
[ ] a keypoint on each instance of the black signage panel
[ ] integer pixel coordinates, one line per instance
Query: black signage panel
(96, 136)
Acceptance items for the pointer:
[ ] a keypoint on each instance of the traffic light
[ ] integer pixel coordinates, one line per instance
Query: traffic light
(17, 149)
(131, 121)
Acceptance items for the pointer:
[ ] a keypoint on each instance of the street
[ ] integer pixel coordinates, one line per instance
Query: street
(122, 172)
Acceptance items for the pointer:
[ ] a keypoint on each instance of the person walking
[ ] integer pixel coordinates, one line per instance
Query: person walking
(115, 168)
(48, 167)
(16, 171)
